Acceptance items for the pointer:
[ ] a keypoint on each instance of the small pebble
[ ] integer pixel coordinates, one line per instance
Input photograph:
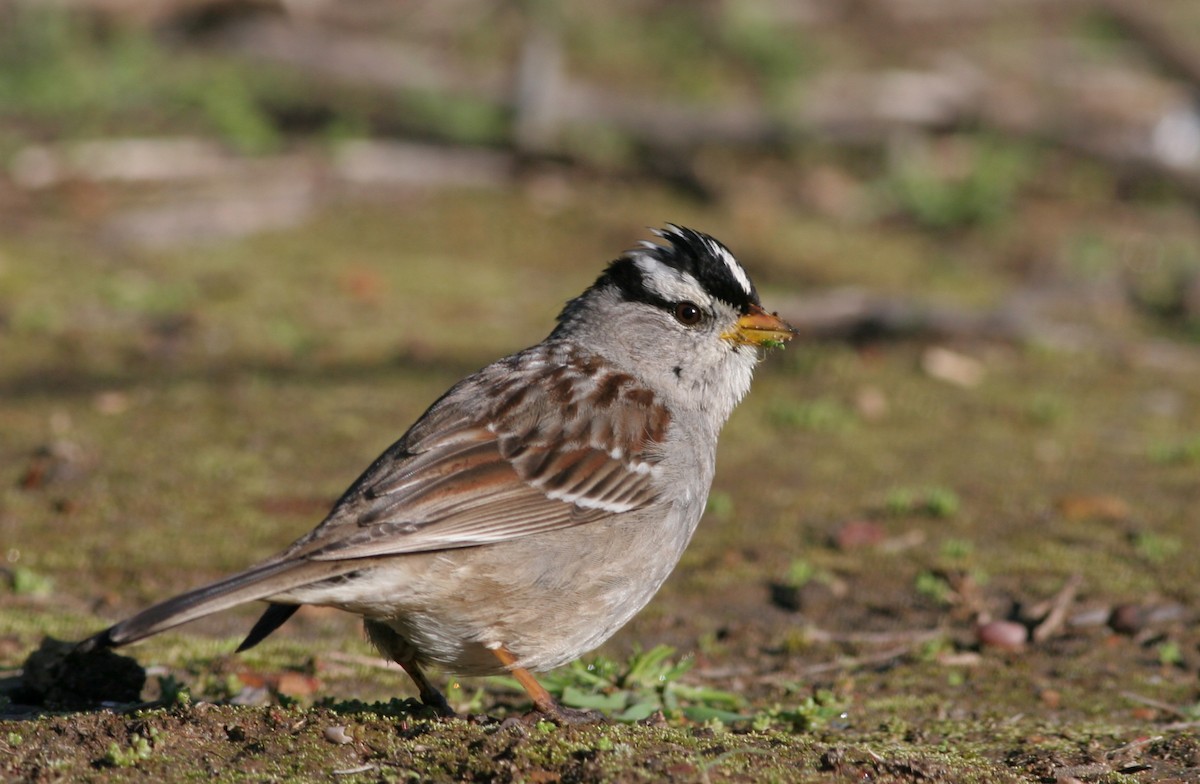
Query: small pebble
(1093, 616)
(872, 403)
(111, 402)
(1126, 619)
(1006, 635)
(855, 534)
(952, 367)
(337, 734)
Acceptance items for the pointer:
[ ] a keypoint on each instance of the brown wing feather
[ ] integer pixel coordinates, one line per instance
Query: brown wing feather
(557, 441)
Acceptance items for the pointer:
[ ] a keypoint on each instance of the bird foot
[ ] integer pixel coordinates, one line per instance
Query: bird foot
(437, 703)
(555, 714)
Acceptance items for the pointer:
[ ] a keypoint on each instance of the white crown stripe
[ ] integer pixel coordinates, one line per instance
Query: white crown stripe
(735, 269)
(666, 282)
(714, 247)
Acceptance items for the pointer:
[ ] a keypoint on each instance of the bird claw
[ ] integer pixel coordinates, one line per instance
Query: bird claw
(560, 716)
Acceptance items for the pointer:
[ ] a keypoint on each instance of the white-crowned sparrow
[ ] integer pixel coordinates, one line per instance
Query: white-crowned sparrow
(542, 501)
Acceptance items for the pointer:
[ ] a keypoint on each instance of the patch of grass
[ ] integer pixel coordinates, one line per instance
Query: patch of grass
(26, 582)
(938, 502)
(52, 64)
(719, 505)
(1155, 547)
(58, 67)
(1046, 409)
(634, 690)
(1170, 654)
(953, 549)
(934, 586)
(1090, 254)
(460, 119)
(815, 711)
(800, 572)
(173, 692)
(979, 187)
(649, 682)
(822, 416)
(771, 51)
(1185, 452)
(238, 115)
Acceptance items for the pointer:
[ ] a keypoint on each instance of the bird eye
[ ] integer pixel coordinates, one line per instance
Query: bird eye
(688, 313)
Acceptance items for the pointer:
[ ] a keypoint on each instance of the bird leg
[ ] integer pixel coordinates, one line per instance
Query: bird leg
(544, 705)
(397, 649)
(430, 696)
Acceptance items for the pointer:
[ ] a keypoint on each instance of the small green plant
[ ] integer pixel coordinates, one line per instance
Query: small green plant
(957, 549)
(140, 748)
(26, 582)
(935, 587)
(460, 118)
(646, 683)
(173, 692)
(56, 65)
(754, 37)
(939, 502)
(1186, 452)
(1155, 547)
(814, 712)
(931, 650)
(822, 415)
(1045, 409)
(235, 113)
(979, 188)
(1170, 654)
(800, 572)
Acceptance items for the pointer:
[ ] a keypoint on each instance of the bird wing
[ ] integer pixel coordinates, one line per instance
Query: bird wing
(544, 440)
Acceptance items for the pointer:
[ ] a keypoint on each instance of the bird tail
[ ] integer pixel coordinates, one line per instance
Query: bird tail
(259, 582)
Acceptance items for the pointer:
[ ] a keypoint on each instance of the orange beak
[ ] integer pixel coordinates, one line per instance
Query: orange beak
(760, 328)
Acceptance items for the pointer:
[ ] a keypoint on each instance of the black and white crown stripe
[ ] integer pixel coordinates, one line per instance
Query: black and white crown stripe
(716, 249)
(667, 283)
(688, 261)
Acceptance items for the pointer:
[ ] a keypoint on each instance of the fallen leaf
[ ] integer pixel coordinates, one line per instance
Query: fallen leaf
(1077, 508)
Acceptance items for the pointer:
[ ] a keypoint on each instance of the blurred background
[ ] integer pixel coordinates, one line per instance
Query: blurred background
(244, 244)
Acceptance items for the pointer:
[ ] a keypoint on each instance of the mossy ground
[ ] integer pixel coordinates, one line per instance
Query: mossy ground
(195, 459)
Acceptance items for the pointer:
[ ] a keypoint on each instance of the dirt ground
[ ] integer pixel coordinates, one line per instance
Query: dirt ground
(840, 587)
(951, 539)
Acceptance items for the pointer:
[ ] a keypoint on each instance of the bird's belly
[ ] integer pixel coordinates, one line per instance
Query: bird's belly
(547, 599)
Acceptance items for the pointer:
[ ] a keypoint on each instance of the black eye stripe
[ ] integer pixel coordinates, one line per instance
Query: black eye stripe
(700, 256)
(688, 252)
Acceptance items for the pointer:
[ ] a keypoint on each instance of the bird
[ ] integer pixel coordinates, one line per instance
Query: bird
(540, 502)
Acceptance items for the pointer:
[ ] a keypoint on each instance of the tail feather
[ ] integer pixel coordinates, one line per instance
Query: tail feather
(276, 615)
(259, 582)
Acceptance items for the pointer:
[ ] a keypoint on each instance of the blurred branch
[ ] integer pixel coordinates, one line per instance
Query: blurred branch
(1155, 33)
(1027, 316)
(1110, 114)
(360, 59)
